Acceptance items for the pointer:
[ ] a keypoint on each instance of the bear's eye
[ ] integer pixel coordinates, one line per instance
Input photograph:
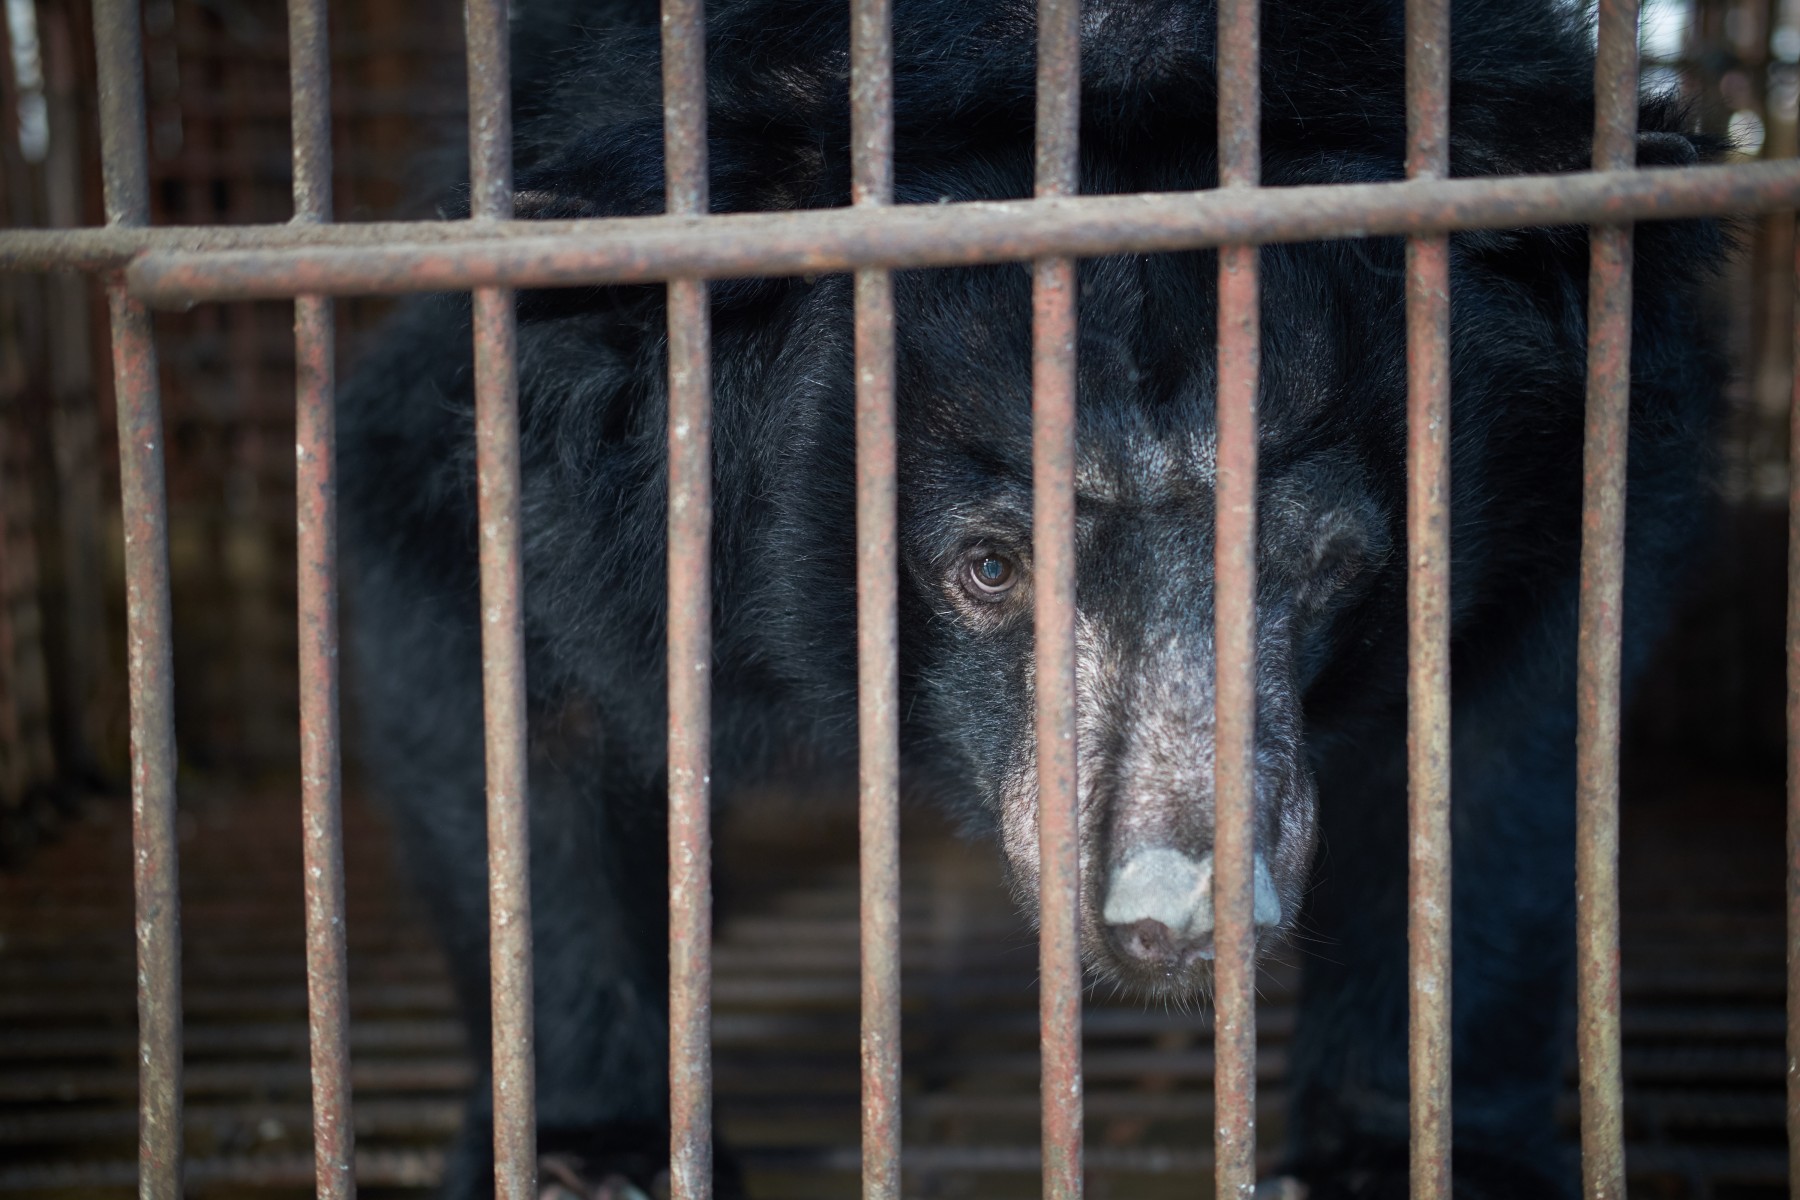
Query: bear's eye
(990, 576)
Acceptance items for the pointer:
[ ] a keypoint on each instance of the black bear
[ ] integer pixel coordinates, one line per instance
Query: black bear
(1331, 607)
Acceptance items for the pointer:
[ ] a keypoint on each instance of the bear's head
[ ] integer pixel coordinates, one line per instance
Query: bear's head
(1145, 478)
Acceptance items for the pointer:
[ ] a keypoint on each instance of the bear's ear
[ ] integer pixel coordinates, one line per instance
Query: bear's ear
(1657, 149)
(537, 204)
(610, 171)
(618, 172)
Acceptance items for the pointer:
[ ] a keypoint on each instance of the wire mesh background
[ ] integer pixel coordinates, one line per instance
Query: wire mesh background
(1703, 1021)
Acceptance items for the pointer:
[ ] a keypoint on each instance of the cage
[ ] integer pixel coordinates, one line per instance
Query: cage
(231, 99)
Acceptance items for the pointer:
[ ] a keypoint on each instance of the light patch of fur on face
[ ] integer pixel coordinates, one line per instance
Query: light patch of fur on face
(1097, 675)
(1145, 754)
(1201, 456)
(1108, 688)
(1163, 781)
(1148, 470)
(1145, 764)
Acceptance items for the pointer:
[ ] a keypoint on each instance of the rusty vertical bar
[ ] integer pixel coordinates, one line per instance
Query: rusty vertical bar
(315, 503)
(118, 45)
(1793, 763)
(1234, 636)
(690, 620)
(1053, 339)
(502, 620)
(877, 656)
(1602, 593)
(1428, 610)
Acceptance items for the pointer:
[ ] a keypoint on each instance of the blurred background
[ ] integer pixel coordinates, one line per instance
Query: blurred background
(1704, 940)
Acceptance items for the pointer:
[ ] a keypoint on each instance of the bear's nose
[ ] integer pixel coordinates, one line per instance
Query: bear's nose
(1156, 945)
(1159, 908)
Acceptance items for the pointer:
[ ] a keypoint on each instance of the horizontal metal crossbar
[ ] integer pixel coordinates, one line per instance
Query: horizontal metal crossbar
(178, 265)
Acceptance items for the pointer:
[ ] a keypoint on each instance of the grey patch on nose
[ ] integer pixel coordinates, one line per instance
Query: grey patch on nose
(1163, 884)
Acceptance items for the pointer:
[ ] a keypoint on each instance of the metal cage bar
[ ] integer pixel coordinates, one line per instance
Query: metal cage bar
(180, 267)
(877, 591)
(118, 39)
(1053, 388)
(1428, 611)
(1234, 618)
(690, 619)
(502, 620)
(315, 508)
(1602, 596)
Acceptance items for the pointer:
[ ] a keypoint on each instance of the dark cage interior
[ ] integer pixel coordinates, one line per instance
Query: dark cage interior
(1704, 939)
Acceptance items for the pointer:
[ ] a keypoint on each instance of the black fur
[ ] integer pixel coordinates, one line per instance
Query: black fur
(1331, 596)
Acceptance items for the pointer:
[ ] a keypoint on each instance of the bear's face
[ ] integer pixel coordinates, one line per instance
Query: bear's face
(1145, 513)
(1145, 684)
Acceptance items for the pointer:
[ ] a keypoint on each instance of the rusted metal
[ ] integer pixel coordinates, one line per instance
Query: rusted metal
(878, 685)
(1597, 692)
(503, 698)
(1428, 611)
(1053, 552)
(502, 620)
(315, 440)
(1793, 766)
(490, 109)
(733, 243)
(686, 191)
(145, 513)
(430, 256)
(309, 81)
(871, 102)
(689, 664)
(1053, 395)
(144, 502)
(125, 168)
(315, 495)
(1602, 590)
(1234, 616)
(690, 619)
(877, 656)
(1058, 131)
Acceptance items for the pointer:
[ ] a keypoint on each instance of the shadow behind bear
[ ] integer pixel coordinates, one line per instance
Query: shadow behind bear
(1331, 610)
